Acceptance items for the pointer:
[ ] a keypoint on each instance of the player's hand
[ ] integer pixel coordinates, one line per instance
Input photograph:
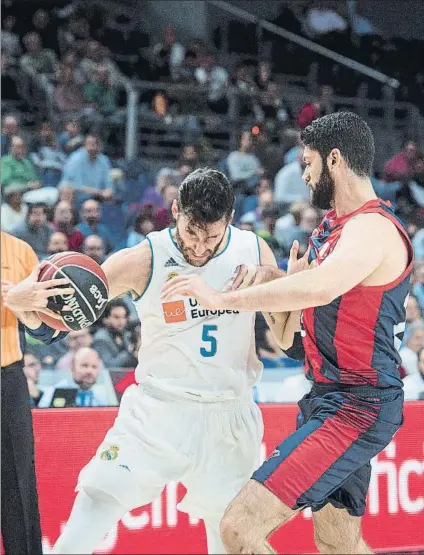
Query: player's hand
(32, 296)
(295, 264)
(249, 274)
(192, 285)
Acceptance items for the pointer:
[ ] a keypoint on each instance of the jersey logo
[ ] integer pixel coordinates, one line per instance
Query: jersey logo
(170, 262)
(174, 312)
(172, 275)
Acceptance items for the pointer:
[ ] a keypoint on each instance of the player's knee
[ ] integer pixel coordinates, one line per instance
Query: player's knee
(230, 530)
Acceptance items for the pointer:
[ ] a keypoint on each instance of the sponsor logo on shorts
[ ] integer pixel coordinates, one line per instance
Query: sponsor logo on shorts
(174, 312)
(110, 454)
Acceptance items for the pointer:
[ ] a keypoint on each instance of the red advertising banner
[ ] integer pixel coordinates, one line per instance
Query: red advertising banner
(67, 438)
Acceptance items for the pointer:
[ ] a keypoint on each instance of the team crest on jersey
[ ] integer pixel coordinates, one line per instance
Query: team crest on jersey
(172, 275)
(110, 454)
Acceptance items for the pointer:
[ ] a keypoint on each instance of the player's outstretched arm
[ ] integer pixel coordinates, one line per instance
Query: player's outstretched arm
(359, 253)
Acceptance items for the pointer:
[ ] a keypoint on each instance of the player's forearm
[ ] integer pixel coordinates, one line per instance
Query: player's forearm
(296, 292)
(277, 322)
(29, 319)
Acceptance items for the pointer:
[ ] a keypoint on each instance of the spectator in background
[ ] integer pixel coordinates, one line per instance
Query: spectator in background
(10, 41)
(413, 343)
(10, 128)
(98, 93)
(32, 369)
(49, 161)
(216, 79)
(88, 171)
(401, 166)
(94, 247)
(71, 139)
(68, 95)
(163, 217)
(17, 168)
(75, 34)
(417, 282)
(168, 56)
(308, 222)
(71, 61)
(43, 137)
(90, 223)
(190, 156)
(13, 210)
(96, 56)
(113, 341)
(308, 113)
(413, 312)
(418, 243)
(243, 166)
(58, 242)
(11, 83)
(35, 230)
(63, 221)
(265, 199)
(85, 371)
(413, 385)
(142, 227)
(289, 185)
(75, 340)
(38, 61)
(154, 195)
(46, 29)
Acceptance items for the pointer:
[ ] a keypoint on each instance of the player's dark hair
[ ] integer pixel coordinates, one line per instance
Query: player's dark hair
(116, 303)
(349, 133)
(206, 196)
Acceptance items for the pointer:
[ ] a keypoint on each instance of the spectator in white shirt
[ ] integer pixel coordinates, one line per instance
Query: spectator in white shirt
(413, 344)
(289, 185)
(13, 210)
(213, 76)
(169, 54)
(413, 385)
(242, 164)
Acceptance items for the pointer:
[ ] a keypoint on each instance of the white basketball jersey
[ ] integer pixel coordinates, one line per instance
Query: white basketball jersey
(185, 349)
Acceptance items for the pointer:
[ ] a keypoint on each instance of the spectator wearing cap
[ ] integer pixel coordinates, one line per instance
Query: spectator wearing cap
(17, 168)
(35, 230)
(63, 221)
(88, 171)
(90, 222)
(13, 210)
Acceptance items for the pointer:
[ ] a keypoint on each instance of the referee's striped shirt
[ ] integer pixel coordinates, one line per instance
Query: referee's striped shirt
(17, 262)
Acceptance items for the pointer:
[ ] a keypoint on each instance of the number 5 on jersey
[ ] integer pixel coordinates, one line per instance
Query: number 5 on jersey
(207, 337)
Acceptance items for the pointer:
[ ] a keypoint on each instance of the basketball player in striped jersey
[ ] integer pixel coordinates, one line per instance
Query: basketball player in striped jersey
(192, 417)
(352, 304)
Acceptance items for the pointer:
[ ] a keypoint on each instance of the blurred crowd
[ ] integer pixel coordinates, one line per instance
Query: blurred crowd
(62, 189)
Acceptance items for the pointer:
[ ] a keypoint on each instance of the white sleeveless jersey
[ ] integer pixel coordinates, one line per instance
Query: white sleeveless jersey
(189, 351)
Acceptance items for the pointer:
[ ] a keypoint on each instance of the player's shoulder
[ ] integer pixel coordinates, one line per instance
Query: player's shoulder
(19, 245)
(242, 234)
(375, 224)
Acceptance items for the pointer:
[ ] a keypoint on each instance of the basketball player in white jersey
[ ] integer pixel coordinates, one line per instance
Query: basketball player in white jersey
(191, 418)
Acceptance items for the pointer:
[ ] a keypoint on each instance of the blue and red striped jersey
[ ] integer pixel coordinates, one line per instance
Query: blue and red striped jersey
(354, 340)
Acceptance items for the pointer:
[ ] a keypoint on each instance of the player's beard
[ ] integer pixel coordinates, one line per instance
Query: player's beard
(323, 194)
(185, 251)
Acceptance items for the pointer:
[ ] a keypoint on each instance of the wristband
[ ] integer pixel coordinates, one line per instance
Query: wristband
(45, 334)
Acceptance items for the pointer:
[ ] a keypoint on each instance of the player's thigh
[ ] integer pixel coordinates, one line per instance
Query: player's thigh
(336, 528)
(135, 460)
(225, 458)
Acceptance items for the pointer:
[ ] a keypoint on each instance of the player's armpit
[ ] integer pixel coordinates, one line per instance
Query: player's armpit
(129, 270)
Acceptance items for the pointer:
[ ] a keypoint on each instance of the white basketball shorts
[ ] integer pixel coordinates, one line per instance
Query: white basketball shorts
(212, 448)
